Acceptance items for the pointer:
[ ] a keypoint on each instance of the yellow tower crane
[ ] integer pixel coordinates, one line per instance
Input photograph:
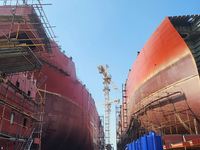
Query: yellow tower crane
(106, 82)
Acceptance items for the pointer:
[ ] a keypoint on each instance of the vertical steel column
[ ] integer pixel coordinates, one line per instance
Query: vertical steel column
(107, 110)
(101, 133)
(117, 115)
(4, 2)
(195, 125)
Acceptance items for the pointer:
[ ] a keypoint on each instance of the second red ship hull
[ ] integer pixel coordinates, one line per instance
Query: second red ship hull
(162, 90)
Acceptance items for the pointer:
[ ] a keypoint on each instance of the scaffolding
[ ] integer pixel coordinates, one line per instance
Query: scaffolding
(25, 33)
(164, 105)
(101, 133)
(16, 101)
(39, 113)
(124, 103)
(166, 113)
(118, 123)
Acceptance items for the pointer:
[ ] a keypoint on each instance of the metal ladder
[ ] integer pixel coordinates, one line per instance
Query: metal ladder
(27, 145)
(124, 103)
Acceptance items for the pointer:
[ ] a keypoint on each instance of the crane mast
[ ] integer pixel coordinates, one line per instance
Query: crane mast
(106, 82)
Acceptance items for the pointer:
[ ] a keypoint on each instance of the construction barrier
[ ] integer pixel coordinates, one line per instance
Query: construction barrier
(148, 142)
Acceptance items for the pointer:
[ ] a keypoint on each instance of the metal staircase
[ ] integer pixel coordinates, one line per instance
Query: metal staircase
(27, 144)
(124, 103)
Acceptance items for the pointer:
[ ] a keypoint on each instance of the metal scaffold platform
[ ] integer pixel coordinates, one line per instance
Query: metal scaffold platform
(140, 122)
(25, 33)
(30, 109)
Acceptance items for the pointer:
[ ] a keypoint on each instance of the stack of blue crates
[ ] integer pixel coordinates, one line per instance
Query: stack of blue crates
(148, 142)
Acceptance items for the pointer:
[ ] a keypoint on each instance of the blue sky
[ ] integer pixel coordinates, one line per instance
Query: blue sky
(100, 32)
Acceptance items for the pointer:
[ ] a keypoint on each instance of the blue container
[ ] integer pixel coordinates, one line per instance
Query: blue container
(126, 147)
(139, 144)
(148, 142)
(134, 145)
(152, 134)
(159, 142)
(144, 143)
(129, 146)
(156, 141)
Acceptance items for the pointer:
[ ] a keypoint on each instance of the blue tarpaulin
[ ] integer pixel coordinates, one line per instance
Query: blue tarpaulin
(147, 142)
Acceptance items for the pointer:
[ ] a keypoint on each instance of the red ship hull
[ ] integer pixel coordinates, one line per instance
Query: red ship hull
(162, 90)
(18, 106)
(71, 119)
(17, 110)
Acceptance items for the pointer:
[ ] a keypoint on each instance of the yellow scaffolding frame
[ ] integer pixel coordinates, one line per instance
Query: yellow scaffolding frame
(36, 107)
